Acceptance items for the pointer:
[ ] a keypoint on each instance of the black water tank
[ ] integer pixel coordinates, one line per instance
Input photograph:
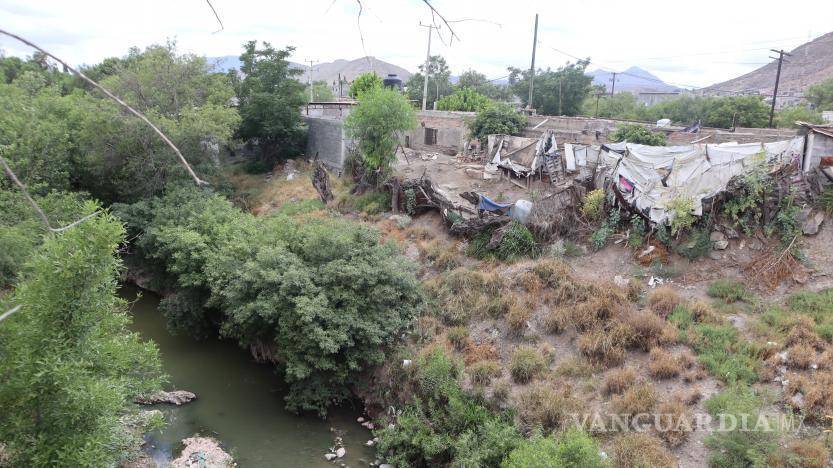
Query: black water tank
(392, 81)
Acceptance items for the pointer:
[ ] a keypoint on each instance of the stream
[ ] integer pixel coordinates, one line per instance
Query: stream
(239, 402)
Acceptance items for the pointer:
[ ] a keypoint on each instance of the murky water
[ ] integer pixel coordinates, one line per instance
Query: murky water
(239, 402)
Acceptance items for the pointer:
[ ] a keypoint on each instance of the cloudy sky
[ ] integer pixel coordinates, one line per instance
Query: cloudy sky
(684, 43)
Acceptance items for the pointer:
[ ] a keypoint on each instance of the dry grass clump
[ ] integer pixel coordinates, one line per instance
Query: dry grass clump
(649, 330)
(547, 406)
(557, 319)
(675, 423)
(817, 392)
(426, 328)
(638, 449)
(689, 396)
(664, 365)
(619, 380)
(801, 332)
(458, 337)
(526, 364)
(826, 359)
(482, 372)
(638, 399)
(800, 356)
(479, 352)
(517, 318)
(605, 347)
(575, 366)
(530, 282)
(464, 292)
(703, 312)
(663, 300)
(802, 453)
(500, 392)
(563, 288)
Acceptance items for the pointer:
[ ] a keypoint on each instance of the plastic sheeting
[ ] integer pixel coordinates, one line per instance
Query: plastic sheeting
(650, 177)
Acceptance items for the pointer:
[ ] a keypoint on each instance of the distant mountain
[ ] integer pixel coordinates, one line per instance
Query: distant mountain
(810, 63)
(328, 71)
(633, 80)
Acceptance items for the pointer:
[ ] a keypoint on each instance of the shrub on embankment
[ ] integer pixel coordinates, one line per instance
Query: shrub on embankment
(320, 297)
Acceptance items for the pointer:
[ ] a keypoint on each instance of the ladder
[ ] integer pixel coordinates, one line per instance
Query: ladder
(549, 162)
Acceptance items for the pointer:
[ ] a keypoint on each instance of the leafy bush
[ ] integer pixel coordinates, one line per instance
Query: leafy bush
(464, 99)
(681, 207)
(482, 372)
(698, 244)
(572, 449)
(639, 134)
(442, 425)
(371, 202)
(497, 119)
(517, 242)
(592, 207)
(70, 365)
(322, 297)
(739, 447)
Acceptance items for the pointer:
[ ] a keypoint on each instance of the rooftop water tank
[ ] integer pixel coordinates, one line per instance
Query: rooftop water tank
(392, 81)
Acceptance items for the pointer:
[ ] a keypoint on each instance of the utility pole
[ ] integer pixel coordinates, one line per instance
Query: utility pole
(598, 95)
(309, 77)
(560, 112)
(532, 65)
(427, 60)
(613, 87)
(780, 59)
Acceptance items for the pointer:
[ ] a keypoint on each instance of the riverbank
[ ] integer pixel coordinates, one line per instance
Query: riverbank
(240, 403)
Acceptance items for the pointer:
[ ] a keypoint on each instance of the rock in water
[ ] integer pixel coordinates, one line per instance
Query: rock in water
(174, 397)
(329, 456)
(340, 452)
(202, 452)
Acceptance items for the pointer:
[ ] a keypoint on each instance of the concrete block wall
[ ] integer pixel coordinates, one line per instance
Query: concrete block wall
(325, 137)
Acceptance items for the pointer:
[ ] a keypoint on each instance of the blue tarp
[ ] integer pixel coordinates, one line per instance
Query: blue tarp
(486, 204)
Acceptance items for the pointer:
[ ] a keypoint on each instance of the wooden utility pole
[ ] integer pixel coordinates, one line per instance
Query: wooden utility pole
(560, 111)
(532, 66)
(780, 59)
(613, 87)
(309, 78)
(598, 95)
(427, 60)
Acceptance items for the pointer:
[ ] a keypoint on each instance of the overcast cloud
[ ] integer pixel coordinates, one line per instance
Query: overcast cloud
(684, 43)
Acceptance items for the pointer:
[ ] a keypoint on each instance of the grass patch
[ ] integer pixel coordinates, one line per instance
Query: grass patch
(724, 354)
(543, 406)
(482, 372)
(619, 380)
(739, 447)
(729, 290)
(641, 450)
(572, 449)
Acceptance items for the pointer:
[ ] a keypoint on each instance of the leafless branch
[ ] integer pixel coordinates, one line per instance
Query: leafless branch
(24, 191)
(216, 16)
(10, 312)
(118, 100)
(361, 34)
(437, 13)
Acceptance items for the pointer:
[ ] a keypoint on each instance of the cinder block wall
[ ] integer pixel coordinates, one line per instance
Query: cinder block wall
(326, 138)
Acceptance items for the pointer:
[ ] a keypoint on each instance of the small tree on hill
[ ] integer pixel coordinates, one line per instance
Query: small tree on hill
(363, 84)
(500, 118)
(377, 123)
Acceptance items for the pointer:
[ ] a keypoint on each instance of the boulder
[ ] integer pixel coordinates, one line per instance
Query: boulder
(174, 397)
(329, 456)
(811, 226)
(202, 452)
(340, 452)
(719, 241)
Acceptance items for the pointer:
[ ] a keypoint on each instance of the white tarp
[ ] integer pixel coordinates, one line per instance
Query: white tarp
(650, 177)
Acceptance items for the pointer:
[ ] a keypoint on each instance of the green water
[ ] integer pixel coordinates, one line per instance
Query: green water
(239, 402)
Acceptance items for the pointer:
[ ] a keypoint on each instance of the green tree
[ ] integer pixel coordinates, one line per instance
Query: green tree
(70, 366)
(377, 123)
(736, 111)
(269, 101)
(559, 92)
(619, 106)
(821, 95)
(463, 99)
(439, 83)
(320, 91)
(363, 84)
(481, 84)
(639, 134)
(500, 118)
(788, 116)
